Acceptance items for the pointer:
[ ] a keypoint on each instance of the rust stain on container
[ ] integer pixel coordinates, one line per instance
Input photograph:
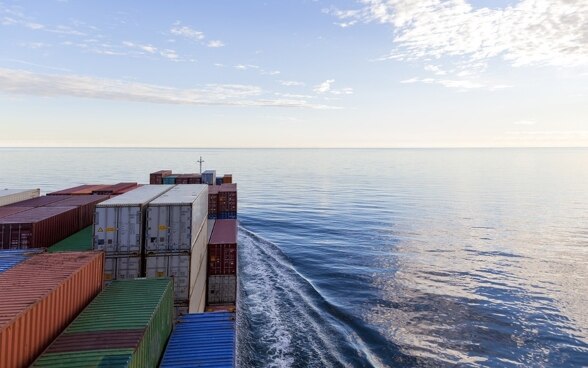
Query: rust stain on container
(40, 297)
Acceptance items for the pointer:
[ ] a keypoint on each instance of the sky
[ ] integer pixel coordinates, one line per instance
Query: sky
(370, 73)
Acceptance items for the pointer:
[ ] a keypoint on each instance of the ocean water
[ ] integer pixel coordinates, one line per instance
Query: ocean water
(386, 258)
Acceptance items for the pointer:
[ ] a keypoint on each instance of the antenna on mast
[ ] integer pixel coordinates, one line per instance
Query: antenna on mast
(201, 161)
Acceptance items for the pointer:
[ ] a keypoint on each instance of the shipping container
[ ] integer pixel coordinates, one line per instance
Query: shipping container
(115, 189)
(119, 221)
(219, 180)
(7, 211)
(127, 325)
(228, 179)
(227, 198)
(176, 218)
(169, 179)
(40, 201)
(209, 177)
(79, 190)
(9, 196)
(188, 271)
(10, 258)
(222, 289)
(157, 177)
(80, 241)
(222, 248)
(40, 297)
(202, 340)
(38, 227)
(210, 228)
(213, 201)
(188, 179)
(122, 267)
(226, 215)
(86, 205)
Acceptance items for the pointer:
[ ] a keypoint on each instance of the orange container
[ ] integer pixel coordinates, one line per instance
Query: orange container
(40, 297)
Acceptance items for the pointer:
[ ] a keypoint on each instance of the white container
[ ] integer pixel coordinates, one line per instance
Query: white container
(210, 225)
(10, 196)
(222, 289)
(119, 221)
(209, 177)
(176, 218)
(187, 269)
(122, 267)
(198, 294)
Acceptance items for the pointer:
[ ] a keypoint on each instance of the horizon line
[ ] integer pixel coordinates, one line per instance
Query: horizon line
(224, 148)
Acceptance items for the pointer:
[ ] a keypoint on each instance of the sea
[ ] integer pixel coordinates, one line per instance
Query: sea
(385, 257)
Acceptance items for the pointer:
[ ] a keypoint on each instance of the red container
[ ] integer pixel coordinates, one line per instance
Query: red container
(40, 297)
(222, 248)
(7, 211)
(227, 198)
(86, 205)
(72, 190)
(188, 179)
(213, 200)
(38, 227)
(114, 189)
(157, 177)
(39, 201)
(227, 179)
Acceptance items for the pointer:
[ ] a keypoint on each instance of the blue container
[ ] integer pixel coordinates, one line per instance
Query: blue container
(10, 258)
(212, 216)
(169, 180)
(227, 215)
(202, 340)
(219, 181)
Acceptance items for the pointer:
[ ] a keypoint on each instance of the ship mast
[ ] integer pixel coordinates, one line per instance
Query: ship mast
(201, 161)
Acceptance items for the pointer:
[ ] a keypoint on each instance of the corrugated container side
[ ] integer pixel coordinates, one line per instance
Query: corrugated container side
(122, 267)
(227, 198)
(222, 259)
(213, 201)
(169, 179)
(228, 179)
(202, 340)
(40, 297)
(72, 190)
(10, 258)
(222, 289)
(86, 205)
(127, 325)
(157, 177)
(198, 293)
(78, 242)
(38, 227)
(114, 189)
(9, 196)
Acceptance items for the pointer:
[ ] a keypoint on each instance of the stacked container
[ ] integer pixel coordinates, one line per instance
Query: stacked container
(80, 241)
(213, 201)
(86, 205)
(9, 196)
(228, 179)
(157, 177)
(127, 325)
(40, 297)
(175, 243)
(38, 227)
(119, 225)
(209, 177)
(227, 201)
(10, 258)
(115, 189)
(171, 179)
(222, 264)
(202, 340)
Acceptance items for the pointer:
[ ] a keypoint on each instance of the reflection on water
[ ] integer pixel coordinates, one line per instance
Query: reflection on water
(364, 258)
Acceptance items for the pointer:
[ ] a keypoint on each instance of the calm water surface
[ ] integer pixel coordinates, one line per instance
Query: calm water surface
(386, 258)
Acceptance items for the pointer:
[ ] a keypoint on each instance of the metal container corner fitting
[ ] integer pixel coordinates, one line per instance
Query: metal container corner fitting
(40, 297)
(127, 325)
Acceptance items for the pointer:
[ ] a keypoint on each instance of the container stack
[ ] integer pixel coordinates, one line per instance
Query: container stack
(175, 244)
(227, 201)
(127, 325)
(222, 264)
(119, 225)
(9, 196)
(213, 201)
(202, 340)
(157, 177)
(97, 189)
(40, 297)
(209, 177)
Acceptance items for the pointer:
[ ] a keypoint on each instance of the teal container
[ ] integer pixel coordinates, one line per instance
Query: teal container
(169, 180)
(127, 325)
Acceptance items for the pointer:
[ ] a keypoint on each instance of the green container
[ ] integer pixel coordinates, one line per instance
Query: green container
(80, 241)
(127, 325)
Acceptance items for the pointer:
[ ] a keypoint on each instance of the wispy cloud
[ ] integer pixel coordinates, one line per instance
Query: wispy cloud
(15, 16)
(187, 32)
(532, 32)
(326, 87)
(24, 82)
(288, 83)
(215, 43)
(458, 84)
(246, 66)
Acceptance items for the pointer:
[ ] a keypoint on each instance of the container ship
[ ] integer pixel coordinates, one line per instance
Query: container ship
(120, 275)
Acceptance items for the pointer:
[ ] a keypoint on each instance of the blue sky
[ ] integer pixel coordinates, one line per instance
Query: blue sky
(374, 73)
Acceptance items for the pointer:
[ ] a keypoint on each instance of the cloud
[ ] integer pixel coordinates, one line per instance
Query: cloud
(291, 83)
(15, 16)
(215, 44)
(22, 82)
(458, 84)
(187, 32)
(246, 66)
(531, 32)
(325, 87)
